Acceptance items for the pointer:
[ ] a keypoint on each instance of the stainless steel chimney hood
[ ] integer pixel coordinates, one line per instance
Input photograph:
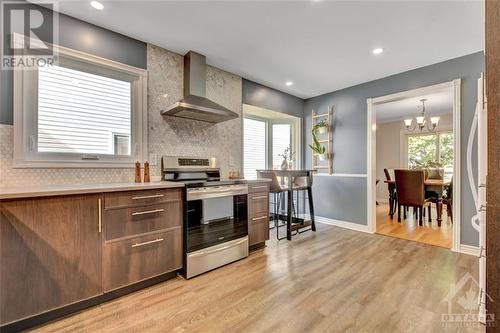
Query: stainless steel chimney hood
(195, 105)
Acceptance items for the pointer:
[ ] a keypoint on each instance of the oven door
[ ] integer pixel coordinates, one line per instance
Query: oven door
(216, 215)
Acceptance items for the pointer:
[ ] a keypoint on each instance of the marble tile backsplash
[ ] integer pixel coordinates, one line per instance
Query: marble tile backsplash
(177, 136)
(166, 135)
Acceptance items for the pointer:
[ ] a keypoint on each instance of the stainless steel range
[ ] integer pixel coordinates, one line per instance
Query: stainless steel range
(215, 213)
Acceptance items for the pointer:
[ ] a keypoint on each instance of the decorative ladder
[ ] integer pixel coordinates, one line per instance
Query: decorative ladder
(329, 141)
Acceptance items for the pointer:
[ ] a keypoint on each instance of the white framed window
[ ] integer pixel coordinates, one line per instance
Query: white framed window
(282, 135)
(264, 140)
(84, 112)
(255, 147)
(424, 149)
(121, 144)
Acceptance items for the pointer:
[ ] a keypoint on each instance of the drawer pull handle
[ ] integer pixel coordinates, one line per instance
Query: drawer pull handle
(259, 218)
(148, 212)
(261, 197)
(99, 203)
(256, 187)
(149, 242)
(148, 196)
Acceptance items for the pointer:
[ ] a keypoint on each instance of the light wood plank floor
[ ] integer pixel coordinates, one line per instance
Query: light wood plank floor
(334, 280)
(410, 230)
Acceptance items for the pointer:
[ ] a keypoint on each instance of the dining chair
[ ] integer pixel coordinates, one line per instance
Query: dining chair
(433, 196)
(448, 199)
(393, 198)
(411, 192)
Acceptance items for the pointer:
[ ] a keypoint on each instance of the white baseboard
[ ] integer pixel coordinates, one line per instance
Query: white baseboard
(468, 249)
(342, 224)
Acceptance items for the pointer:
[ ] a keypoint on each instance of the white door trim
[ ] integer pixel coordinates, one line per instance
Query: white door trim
(454, 85)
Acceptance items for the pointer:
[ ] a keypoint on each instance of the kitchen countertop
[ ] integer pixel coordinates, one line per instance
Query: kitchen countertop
(259, 180)
(16, 192)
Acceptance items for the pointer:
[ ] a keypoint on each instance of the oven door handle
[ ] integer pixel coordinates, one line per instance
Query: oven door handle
(200, 254)
(214, 194)
(225, 189)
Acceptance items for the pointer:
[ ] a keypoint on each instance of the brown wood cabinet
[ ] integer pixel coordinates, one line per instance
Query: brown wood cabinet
(140, 198)
(258, 213)
(143, 236)
(50, 254)
(62, 250)
(133, 221)
(129, 261)
(258, 187)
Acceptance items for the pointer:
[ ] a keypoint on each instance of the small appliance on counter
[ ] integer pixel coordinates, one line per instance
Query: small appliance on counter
(215, 213)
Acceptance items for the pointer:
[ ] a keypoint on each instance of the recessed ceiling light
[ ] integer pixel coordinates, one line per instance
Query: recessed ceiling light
(289, 83)
(378, 50)
(97, 5)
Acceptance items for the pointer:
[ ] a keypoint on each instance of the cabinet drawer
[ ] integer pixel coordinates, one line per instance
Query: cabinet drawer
(138, 198)
(132, 221)
(258, 228)
(132, 260)
(258, 202)
(258, 187)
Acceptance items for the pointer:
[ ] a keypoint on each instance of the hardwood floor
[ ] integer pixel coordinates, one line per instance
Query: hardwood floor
(334, 280)
(410, 230)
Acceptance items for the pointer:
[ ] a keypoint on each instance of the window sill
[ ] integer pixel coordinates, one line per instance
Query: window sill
(72, 165)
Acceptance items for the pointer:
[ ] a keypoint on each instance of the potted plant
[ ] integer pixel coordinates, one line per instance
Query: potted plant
(317, 148)
(321, 127)
(430, 167)
(287, 155)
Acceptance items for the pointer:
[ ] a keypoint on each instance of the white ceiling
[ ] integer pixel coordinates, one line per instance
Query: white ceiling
(321, 46)
(439, 103)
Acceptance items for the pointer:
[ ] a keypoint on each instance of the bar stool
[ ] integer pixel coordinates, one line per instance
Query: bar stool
(301, 184)
(277, 190)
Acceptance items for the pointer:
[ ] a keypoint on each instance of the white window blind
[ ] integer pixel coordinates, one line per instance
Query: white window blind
(281, 141)
(79, 112)
(254, 147)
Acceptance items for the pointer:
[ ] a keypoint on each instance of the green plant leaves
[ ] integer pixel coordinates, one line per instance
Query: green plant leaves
(316, 146)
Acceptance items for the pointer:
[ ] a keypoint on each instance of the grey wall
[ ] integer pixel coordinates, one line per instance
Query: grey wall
(345, 198)
(268, 98)
(86, 37)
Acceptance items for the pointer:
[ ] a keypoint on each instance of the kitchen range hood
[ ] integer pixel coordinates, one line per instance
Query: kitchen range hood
(195, 105)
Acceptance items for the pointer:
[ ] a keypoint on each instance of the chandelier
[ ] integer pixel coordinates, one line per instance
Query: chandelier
(422, 121)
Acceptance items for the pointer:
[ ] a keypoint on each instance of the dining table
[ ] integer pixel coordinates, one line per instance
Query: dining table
(434, 185)
(293, 180)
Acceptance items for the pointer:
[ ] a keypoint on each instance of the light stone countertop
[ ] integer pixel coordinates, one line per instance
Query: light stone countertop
(259, 180)
(16, 192)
